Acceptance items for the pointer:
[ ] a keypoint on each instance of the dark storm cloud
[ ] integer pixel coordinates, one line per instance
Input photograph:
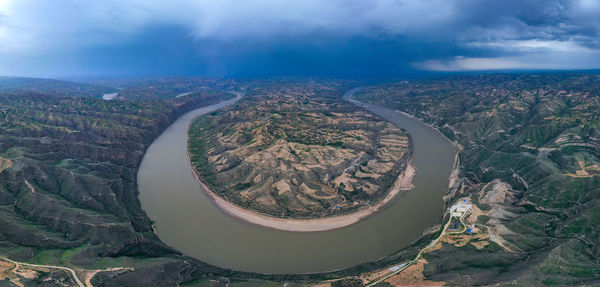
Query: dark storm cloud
(271, 37)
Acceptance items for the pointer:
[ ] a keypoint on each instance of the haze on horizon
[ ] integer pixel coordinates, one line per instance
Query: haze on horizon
(274, 37)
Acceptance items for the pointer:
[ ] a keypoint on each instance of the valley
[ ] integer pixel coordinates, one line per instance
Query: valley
(299, 143)
(528, 164)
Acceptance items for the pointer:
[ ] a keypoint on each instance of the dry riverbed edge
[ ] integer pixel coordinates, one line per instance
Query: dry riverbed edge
(402, 183)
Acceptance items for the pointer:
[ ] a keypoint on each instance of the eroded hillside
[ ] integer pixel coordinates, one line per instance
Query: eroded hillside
(530, 165)
(297, 150)
(68, 192)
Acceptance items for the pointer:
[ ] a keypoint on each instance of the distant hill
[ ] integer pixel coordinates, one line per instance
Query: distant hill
(51, 87)
(165, 88)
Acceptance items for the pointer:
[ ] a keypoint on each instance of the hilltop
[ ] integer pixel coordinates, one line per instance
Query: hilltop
(51, 87)
(298, 151)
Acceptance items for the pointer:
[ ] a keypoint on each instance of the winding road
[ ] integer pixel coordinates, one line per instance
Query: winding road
(75, 277)
(418, 256)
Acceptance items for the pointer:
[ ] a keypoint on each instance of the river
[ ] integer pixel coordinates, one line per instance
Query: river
(187, 219)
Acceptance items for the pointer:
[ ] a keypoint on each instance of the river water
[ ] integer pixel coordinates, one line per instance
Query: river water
(186, 218)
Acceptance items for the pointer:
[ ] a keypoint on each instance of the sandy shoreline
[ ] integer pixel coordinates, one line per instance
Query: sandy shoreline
(403, 183)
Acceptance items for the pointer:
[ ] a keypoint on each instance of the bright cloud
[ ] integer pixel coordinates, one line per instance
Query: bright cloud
(549, 61)
(536, 45)
(475, 64)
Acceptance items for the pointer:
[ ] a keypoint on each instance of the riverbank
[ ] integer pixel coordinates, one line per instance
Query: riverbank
(434, 127)
(454, 178)
(402, 183)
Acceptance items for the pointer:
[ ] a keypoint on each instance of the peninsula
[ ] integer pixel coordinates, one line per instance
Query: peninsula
(297, 158)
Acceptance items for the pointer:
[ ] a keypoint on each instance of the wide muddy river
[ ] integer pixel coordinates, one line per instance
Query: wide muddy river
(187, 219)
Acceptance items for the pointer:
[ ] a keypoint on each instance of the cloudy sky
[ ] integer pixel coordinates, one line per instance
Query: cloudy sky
(67, 38)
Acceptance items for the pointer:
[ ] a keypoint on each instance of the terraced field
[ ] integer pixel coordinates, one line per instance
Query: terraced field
(293, 153)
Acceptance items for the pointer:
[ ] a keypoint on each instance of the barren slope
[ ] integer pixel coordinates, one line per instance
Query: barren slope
(296, 153)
